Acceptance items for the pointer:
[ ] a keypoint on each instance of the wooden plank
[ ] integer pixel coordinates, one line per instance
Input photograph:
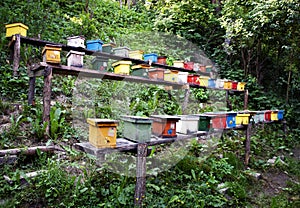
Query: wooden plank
(27, 151)
(47, 100)
(16, 59)
(140, 186)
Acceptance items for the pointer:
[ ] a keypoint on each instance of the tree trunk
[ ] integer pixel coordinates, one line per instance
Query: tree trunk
(288, 87)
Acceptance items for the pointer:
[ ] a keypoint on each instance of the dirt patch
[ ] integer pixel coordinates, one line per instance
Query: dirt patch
(274, 182)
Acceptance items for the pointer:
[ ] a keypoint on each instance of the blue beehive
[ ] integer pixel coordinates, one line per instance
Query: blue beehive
(230, 120)
(94, 45)
(280, 114)
(150, 56)
(212, 83)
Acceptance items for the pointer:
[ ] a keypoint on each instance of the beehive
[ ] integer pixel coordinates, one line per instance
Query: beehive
(274, 115)
(136, 54)
(212, 83)
(99, 63)
(182, 77)
(227, 84)
(231, 119)
(193, 79)
(94, 45)
(204, 122)
(268, 115)
(108, 47)
(75, 58)
(280, 114)
(137, 128)
(258, 116)
(16, 28)
(208, 68)
(203, 81)
(76, 41)
(242, 118)
(202, 68)
(218, 120)
(241, 86)
(51, 54)
(178, 64)
(157, 74)
(171, 76)
(102, 132)
(220, 83)
(122, 67)
(188, 65)
(187, 124)
(121, 51)
(164, 125)
(150, 57)
(234, 85)
(140, 70)
(162, 60)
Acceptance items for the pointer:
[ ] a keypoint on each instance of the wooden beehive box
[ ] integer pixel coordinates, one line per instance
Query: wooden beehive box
(242, 118)
(16, 28)
(171, 76)
(102, 132)
(136, 54)
(157, 74)
(164, 125)
(76, 41)
(51, 54)
(137, 128)
(187, 124)
(122, 67)
(75, 58)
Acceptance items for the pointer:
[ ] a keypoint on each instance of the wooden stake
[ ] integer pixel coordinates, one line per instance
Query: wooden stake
(16, 62)
(246, 93)
(31, 91)
(186, 100)
(247, 144)
(140, 186)
(47, 98)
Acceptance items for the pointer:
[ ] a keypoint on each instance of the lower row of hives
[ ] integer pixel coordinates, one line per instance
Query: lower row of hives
(103, 132)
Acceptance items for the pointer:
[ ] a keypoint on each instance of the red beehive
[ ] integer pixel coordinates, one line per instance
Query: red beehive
(234, 85)
(164, 125)
(188, 65)
(268, 115)
(218, 120)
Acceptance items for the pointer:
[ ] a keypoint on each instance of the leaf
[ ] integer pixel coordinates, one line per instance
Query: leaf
(174, 198)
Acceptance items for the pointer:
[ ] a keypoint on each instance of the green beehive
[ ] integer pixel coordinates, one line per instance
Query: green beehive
(137, 128)
(204, 123)
(100, 63)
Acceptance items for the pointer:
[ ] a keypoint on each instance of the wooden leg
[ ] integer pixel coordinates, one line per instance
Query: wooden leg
(247, 144)
(140, 186)
(16, 62)
(31, 91)
(246, 100)
(47, 98)
(186, 100)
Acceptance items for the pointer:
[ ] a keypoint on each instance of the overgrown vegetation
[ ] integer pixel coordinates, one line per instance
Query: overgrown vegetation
(253, 41)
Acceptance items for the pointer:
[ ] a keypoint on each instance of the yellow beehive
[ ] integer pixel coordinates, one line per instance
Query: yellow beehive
(203, 81)
(241, 86)
(171, 76)
(274, 115)
(122, 67)
(227, 84)
(102, 132)
(242, 119)
(51, 54)
(179, 64)
(137, 54)
(16, 28)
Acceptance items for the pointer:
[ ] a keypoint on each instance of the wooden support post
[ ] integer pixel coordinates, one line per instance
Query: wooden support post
(246, 93)
(284, 127)
(247, 144)
(140, 186)
(16, 62)
(186, 100)
(47, 98)
(228, 104)
(31, 91)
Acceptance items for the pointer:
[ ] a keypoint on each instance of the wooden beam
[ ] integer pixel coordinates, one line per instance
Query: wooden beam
(28, 151)
(16, 59)
(140, 186)
(31, 91)
(247, 144)
(47, 99)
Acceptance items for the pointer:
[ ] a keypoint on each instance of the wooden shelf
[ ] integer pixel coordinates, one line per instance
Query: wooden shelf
(124, 145)
(38, 70)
